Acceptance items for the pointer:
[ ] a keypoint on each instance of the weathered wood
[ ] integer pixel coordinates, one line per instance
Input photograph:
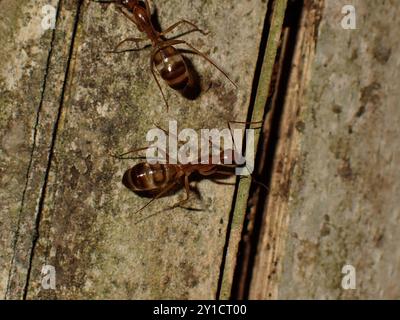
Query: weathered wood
(32, 64)
(335, 183)
(95, 104)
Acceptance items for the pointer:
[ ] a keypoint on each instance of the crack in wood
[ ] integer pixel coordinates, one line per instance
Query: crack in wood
(51, 151)
(28, 171)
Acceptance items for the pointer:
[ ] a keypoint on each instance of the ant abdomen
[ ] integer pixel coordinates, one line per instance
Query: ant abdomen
(173, 69)
(147, 177)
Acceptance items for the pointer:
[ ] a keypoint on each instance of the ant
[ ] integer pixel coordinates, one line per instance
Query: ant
(159, 179)
(168, 61)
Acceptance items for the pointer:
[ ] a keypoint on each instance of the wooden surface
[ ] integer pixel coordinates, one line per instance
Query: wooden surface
(335, 180)
(65, 105)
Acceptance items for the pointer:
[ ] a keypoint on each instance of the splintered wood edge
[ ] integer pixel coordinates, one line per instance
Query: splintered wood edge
(240, 205)
(271, 246)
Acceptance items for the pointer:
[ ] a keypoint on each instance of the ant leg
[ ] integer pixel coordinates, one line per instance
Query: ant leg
(175, 25)
(136, 40)
(163, 192)
(204, 56)
(216, 171)
(187, 188)
(231, 184)
(161, 128)
(223, 183)
(122, 156)
(208, 173)
(155, 77)
(231, 174)
(164, 154)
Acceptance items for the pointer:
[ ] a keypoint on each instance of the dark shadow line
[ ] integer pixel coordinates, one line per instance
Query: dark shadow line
(292, 19)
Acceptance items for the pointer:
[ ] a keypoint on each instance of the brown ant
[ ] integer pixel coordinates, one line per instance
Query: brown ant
(159, 179)
(168, 61)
